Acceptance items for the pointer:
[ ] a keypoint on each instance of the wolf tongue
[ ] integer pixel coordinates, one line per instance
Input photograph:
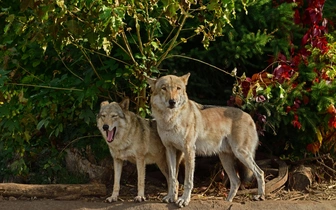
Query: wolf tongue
(110, 135)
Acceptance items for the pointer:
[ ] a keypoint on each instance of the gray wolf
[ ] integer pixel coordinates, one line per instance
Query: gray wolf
(130, 138)
(196, 129)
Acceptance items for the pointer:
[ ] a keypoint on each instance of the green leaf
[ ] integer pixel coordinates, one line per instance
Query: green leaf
(3, 77)
(43, 122)
(36, 63)
(87, 115)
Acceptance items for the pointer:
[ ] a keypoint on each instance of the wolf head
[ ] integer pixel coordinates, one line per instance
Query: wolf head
(169, 91)
(110, 118)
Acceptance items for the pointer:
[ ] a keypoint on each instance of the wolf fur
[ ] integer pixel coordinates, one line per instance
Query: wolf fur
(131, 138)
(196, 129)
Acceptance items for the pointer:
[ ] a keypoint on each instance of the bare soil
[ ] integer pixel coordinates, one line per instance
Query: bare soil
(148, 205)
(282, 200)
(210, 190)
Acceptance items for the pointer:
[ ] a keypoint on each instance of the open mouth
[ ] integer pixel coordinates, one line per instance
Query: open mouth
(110, 134)
(171, 106)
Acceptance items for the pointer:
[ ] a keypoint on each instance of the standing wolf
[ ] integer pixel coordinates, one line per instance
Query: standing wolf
(132, 138)
(204, 130)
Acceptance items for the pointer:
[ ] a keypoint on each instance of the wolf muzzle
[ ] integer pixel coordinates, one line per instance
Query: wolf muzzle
(109, 133)
(105, 127)
(172, 103)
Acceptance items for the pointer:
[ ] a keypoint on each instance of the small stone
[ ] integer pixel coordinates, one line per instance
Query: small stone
(11, 198)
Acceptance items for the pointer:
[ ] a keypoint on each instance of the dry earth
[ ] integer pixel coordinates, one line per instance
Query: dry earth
(207, 194)
(319, 197)
(201, 204)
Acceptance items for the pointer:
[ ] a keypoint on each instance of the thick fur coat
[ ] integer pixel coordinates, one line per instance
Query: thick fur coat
(130, 138)
(192, 128)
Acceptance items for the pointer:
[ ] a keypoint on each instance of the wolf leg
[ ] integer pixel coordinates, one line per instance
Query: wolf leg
(171, 161)
(117, 165)
(141, 169)
(228, 163)
(189, 156)
(247, 159)
(163, 166)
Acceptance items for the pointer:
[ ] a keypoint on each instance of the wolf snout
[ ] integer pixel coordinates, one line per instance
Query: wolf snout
(105, 127)
(172, 103)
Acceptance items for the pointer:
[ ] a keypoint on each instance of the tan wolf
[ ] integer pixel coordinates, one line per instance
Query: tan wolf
(196, 129)
(132, 138)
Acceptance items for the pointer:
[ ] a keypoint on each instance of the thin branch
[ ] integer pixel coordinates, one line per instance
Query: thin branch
(77, 139)
(102, 54)
(311, 159)
(43, 86)
(137, 26)
(327, 167)
(69, 68)
(90, 62)
(121, 47)
(170, 33)
(171, 46)
(30, 73)
(128, 47)
(211, 182)
(200, 61)
(185, 39)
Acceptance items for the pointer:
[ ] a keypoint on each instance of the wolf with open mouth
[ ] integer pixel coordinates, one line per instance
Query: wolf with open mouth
(131, 138)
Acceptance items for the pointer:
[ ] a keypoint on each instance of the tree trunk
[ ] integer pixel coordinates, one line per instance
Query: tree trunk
(56, 191)
(301, 178)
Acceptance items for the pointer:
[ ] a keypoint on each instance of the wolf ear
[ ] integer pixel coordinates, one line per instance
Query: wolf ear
(104, 103)
(124, 104)
(151, 81)
(185, 78)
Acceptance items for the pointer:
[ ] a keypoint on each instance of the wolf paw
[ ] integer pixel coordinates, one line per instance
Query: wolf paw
(169, 199)
(229, 199)
(111, 199)
(259, 197)
(182, 202)
(139, 199)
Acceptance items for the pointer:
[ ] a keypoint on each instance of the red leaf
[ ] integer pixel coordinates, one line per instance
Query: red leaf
(313, 147)
(332, 122)
(305, 38)
(283, 72)
(296, 122)
(297, 18)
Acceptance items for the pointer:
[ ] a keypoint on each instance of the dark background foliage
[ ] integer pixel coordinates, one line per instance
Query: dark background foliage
(59, 60)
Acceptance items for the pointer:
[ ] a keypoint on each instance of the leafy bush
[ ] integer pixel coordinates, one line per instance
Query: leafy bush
(296, 99)
(59, 59)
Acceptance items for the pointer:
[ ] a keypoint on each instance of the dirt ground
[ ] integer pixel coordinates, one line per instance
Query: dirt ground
(196, 203)
(319, 197)
(209, 192)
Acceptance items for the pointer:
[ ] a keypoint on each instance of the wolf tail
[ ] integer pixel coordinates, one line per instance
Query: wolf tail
(245, 174)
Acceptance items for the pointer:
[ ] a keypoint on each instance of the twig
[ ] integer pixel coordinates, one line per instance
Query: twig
(312, 158)
(329, 168)
(43, 86)
(212, 180)
(90, 62)
(171, 46)
(73, 73)
(77, 139)
(194, 59)
(297, 198)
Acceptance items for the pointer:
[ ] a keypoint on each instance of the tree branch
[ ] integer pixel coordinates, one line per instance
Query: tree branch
(171, 46)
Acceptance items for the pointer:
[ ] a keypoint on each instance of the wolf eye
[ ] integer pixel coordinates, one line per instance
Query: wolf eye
(101, 115)
(178, 88)
(164, 88)
(114, 116)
